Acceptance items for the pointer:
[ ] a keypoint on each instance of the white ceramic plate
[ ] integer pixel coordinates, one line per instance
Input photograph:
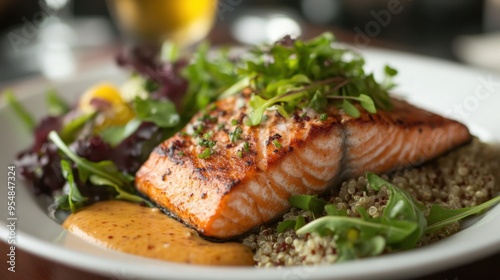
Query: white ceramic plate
(469, 95)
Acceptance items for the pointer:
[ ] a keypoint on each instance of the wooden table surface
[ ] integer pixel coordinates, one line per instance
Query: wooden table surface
(32, 267)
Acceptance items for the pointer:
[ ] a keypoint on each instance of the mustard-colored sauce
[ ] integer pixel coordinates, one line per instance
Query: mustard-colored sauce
(134, 229)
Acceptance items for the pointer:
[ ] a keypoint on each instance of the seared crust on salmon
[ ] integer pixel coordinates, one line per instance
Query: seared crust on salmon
(245, 179)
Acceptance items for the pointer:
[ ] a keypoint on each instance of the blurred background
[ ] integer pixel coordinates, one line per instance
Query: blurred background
(56, 38)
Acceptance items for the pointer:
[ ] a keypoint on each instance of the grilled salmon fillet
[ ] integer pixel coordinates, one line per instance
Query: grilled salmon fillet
(247, 176)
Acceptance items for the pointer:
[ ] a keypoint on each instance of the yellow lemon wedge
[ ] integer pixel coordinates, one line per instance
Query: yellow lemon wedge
(106, 99)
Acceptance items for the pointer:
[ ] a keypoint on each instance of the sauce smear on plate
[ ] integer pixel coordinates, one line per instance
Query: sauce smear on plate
(147, 232)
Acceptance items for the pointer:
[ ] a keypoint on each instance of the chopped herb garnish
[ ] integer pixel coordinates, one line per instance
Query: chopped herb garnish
(240, 154)
(246, 146)
(234, 122)
(212, 107)
(236, 134)
(277, 144)
(206, 153)
(323, 117)
(181, 153)
(207, 118)
(207, 143)
(199, 129)
(208, 135)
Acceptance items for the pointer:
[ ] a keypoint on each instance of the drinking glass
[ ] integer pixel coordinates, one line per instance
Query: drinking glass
(182, 22)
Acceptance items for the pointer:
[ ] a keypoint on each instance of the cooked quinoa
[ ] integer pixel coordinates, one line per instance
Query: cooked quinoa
(465, 177)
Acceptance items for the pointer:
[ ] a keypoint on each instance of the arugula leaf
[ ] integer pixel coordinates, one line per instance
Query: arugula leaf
(21, 112)
(260, 105)
(74, 198)
(56, 105)
(331, 210)
(256, 115)
(286, 225)
(401, 207)
(291, 224)
(99, 173)
(394, 232)
(70, 131)
(163, 113)
(122, 195)
(235, 88)
(440, 217)
(300, 222)
(104, 169)
(116, 134)
(61, 202)
(308, 203)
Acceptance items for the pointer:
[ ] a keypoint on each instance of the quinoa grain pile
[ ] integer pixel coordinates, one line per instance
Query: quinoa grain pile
(465, 177)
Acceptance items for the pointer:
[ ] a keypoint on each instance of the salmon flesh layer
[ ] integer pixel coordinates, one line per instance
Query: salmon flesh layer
(248, 177)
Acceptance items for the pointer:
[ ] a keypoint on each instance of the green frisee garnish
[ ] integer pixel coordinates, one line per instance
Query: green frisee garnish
(285, 78)
(311, 74)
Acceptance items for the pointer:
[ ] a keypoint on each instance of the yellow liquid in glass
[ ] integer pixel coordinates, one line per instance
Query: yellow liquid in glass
(180, 21)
